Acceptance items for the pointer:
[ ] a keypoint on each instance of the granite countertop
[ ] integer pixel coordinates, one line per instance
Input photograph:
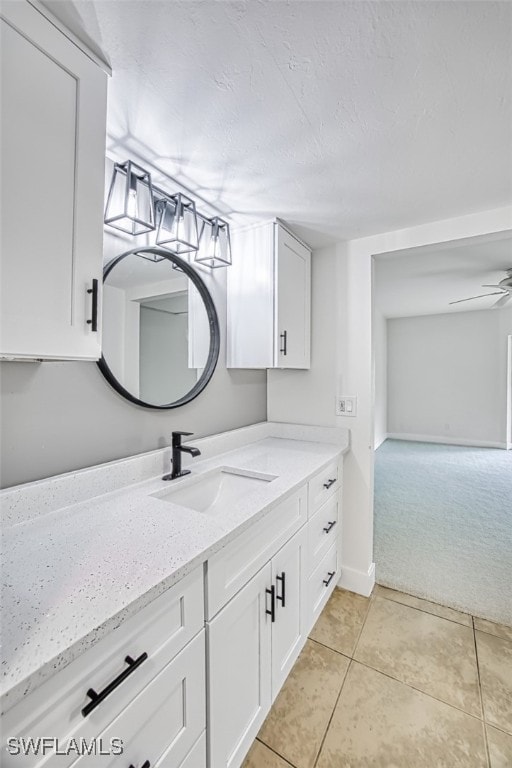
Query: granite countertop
(71, 575)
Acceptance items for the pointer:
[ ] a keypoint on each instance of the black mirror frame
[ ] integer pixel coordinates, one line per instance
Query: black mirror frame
(213, 320)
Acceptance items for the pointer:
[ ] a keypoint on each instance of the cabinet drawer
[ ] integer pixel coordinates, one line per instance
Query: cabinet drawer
(196, 758)
(164, 720)
(322, 582)
(233, 566)
(323, 530)
(321, 487)
(160, 630)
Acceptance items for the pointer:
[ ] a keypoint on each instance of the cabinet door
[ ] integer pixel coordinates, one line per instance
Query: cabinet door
(293, 302)
(239, 692)
(290, 580)
(250, 299)
(53, 123)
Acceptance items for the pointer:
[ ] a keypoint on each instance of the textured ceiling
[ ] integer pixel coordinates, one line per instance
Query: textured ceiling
(343, 118)
(422, 281)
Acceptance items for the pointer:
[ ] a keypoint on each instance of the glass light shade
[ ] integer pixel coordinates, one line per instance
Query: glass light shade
(154, 257)
(177, 225)
(215, 248)
(184, 257)
(130, 200)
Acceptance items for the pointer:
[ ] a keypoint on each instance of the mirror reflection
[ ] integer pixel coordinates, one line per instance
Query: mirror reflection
(156, 330)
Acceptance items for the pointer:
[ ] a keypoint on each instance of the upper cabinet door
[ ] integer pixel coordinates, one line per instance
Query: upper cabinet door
(53, 123)
(250, 299)
(293, 302)
(269, 299)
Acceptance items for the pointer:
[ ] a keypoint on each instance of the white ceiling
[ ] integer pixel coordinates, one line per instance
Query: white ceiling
(343, 118)
(422, 281)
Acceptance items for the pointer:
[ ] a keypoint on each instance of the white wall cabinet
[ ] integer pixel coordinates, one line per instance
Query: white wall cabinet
(53, 125)
(269, 299)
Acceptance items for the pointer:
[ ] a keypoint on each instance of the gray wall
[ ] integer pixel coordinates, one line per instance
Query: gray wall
(58, 417)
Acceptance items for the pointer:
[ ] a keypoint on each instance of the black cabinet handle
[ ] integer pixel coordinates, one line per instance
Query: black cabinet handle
(282, 596)
(331, 577)
(147, 764)
(330, 525)
(93, 322)
(284, 337)
(272, 611)
(97, 698)
(329, 483)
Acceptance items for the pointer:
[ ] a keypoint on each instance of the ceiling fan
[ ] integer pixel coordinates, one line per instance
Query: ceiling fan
(505, 291)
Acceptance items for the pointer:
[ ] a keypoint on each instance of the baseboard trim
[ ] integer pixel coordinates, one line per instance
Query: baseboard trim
(446, 440)
(378, 443)
(361, 582)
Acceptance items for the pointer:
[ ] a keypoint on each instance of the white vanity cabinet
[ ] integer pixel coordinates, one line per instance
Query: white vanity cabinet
(143, 683)
(252, 645)
(269, 299)
(187, 681)
(53, 125)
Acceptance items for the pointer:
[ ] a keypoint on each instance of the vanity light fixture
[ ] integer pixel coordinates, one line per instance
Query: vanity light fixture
(215, 244)
(130, 206)
(177, 224)
(135, 206)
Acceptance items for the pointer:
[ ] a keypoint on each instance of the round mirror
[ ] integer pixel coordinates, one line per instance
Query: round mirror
(160, 329)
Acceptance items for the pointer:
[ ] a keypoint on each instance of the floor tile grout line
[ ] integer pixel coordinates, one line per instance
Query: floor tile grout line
(486, 741)
(351, 658)
(354, 649)
(274, 751)
(497, 728)
(419, 690)
(332, 714)
(492, 634)
(329, 648)
(422, 610)
(480, 618)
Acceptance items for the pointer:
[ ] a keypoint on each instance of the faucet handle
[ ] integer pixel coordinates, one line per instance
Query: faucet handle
(176, 437)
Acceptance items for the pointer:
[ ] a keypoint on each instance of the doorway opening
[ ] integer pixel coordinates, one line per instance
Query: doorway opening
(443, 393)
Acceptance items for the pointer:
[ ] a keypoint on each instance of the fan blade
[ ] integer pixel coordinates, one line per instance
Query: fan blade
(501, 302)
(481, 296)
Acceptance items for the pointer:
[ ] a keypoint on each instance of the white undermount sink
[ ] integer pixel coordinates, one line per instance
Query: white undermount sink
(215, 490)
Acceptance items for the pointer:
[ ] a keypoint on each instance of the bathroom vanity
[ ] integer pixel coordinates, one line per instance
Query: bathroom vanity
(167, 615)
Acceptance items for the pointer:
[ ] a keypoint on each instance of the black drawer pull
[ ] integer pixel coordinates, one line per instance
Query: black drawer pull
(330, 525)
(97, 698)
(282, 596)
(284, 337)
(328, 484)
(93, 322)
(147, 764)
(331, 577)
(272, 611)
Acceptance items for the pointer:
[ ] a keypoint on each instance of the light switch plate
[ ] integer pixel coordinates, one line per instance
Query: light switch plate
(346, 406)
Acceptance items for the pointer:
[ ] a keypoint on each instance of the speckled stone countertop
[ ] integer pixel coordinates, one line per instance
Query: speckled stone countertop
(71, 574)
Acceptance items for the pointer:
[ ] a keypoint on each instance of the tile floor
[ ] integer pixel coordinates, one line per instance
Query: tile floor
(392, 681)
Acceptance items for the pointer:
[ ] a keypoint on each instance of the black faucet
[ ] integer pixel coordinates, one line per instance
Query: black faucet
(177, 450)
